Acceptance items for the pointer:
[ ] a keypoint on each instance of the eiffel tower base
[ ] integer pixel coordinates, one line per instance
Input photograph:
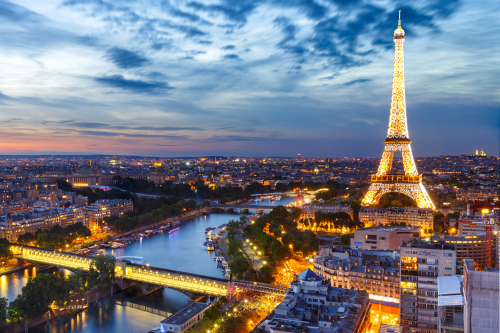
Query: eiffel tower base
(416, 191)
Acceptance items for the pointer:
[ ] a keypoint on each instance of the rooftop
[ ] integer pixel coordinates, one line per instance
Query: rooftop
(180, 317)
(426, 245)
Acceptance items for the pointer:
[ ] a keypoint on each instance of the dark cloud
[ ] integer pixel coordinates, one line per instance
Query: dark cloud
(132, 135)
(123, 127)
(350, 83)
(225, 138)
(137, 86)
(188, 16)
(125, 59)
(228, 47)
(310, 7)
(231, 57)
(236, 11)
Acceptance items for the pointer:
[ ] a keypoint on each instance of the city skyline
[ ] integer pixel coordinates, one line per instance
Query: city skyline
(254, 78)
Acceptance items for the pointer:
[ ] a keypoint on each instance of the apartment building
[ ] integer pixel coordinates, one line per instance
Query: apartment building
(470, 246)
(421, 265)
(375, 272)
(383, 238)
(308, 210)
(313, 305)
(413, 217)
(481, 299)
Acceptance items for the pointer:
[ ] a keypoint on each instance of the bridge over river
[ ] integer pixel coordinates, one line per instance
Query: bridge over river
(189, 283)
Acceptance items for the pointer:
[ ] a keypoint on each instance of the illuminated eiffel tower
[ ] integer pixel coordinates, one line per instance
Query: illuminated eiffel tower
(409, 182)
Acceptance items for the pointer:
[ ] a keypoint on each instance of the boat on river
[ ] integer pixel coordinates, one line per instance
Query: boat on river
(174, 230)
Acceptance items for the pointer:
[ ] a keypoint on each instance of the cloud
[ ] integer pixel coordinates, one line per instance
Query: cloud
(231, 57)
(132, 135)
(228, 47)
(136, 86)
(125, 59)
(236, 11)
(350, 83)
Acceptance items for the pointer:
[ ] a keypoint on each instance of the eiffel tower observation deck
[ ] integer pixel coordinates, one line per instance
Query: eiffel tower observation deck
(398, 140)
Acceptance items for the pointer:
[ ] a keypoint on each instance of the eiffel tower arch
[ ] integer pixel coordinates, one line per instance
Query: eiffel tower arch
(384, 181)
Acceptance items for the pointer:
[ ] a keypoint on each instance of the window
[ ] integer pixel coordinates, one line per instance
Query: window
(447, 254)
(447, 268)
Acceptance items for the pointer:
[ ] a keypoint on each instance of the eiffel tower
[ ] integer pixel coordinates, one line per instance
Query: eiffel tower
(409, 182)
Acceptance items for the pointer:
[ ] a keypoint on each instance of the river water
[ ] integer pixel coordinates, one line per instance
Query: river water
(182, 250)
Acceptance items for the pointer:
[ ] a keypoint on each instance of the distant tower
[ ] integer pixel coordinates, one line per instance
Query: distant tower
(298, 158)
(477, 152)
(409, 183)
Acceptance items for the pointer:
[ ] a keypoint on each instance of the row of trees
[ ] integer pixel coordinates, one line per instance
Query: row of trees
(40, 292)
(56, 237)
(5, 253)
(178, 206)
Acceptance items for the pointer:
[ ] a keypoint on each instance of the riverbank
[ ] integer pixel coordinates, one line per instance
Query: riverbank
(13, 266)
(186, 216)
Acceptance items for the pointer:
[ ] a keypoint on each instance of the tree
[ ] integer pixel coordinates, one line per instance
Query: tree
(5, 249)
(26, 238)
(107, 239)
(267, 273)
(3, 310)
(84, 232)
(102, 272)
(37, 295)
(346, 239)
(76, 283)
(67, 204)
(239, 266)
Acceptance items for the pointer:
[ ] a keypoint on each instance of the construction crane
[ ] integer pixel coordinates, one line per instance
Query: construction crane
(488, 231)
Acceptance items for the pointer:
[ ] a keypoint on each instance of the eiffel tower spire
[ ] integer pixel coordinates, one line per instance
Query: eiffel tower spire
(398, 140)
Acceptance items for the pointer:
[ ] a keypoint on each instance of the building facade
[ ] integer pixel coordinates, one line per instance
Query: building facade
(481, 299)
(421, 265)
(383, 238)
(378, 274)
(312, 305)
(412, 217)
(470, 246)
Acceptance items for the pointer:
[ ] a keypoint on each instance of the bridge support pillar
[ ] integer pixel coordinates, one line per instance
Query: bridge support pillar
(111, 291)
(26, 326)
(47, 318)
(58, 314)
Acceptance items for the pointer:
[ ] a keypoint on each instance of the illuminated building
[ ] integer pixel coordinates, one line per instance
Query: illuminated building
(157, 164)
(185, 318)
(412, 217)
(481, 299)
(470, 246)
(421, 264)
(97, 211)
(378, 275)
(480, 153)
(383, 238)
(409, 183)
(313, 305)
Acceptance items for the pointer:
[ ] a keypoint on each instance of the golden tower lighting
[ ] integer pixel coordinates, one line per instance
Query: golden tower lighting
(409, 182)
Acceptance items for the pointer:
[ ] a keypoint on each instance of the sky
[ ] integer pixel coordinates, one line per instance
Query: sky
(245, 77)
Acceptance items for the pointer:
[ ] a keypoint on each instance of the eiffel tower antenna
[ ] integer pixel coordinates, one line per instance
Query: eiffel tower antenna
(398, 140)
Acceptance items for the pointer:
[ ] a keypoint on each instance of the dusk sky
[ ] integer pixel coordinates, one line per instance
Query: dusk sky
(245, 77)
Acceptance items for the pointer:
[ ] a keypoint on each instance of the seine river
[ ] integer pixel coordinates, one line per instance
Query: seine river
(182, 251)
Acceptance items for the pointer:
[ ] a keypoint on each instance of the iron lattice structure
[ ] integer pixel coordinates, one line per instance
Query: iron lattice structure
(398, 140)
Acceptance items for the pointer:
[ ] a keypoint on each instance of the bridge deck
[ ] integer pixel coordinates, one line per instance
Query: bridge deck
(146, 274)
